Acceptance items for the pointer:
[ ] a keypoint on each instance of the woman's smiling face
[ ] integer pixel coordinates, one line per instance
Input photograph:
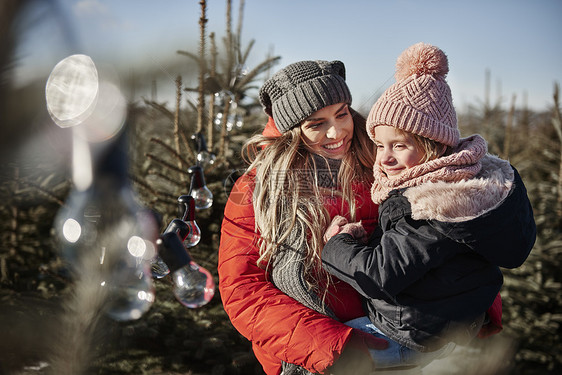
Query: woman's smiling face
(328, 132)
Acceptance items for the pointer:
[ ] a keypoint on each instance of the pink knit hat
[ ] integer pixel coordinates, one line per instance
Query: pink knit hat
(420, 101)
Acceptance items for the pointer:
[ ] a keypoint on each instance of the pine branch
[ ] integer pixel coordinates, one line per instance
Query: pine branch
(187, 147)
(188, 54)
(47, 193)
(246, 53)
(158, 195)
(177, 119)
(508, 129)
(164, 163)
(240, 23)
(211, 118)
(557, 124)
(160, 107)
(174, 153)
(166, 178)
(202, 68)
(557, 118)
(262, 67)
(143, 184)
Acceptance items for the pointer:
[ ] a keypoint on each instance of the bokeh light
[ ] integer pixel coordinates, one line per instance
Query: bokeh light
(71, 230)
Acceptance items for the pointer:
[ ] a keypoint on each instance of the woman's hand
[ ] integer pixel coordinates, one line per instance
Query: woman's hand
(356, 230)
(355, 358)
(335, 226)
(340, 224)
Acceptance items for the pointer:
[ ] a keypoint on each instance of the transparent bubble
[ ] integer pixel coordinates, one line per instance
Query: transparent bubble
(136, 246)
(129, 296)
(193, 285)
(81, 94)
(203, 197)
(71, 230)
(72, 90)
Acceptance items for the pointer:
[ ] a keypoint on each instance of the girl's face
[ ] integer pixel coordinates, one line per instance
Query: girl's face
(328, 132)
(396, 152)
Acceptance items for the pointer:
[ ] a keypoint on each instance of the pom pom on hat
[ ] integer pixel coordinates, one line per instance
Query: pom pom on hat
(420, 59)
(420, 102)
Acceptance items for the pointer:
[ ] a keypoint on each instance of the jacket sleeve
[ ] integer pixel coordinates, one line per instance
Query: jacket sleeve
(276, 323)
(392, 261)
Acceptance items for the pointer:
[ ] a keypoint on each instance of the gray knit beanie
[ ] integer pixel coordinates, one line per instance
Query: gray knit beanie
(300, 89)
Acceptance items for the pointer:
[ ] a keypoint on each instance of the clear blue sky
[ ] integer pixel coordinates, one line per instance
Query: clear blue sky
(518, 41)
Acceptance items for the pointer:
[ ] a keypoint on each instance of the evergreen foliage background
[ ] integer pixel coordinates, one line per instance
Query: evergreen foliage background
(171, 339)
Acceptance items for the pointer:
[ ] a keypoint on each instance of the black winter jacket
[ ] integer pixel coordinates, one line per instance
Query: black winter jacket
(427, 281)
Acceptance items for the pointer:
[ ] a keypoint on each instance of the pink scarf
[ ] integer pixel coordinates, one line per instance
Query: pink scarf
(463, 163)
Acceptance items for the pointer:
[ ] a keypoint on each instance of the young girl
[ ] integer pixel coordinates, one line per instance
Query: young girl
(450, 215)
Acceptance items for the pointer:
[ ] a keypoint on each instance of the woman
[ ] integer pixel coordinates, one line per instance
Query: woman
(313, 161)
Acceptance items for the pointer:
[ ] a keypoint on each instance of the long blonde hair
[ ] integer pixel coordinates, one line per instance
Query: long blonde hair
(288, 201)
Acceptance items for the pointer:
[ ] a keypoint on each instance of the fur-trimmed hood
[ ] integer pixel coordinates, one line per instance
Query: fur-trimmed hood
(463, 200)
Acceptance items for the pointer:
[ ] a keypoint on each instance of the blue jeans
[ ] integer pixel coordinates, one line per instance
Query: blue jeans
(396, 354)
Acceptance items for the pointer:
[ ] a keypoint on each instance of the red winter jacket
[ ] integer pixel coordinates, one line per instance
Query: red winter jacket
(280, 328)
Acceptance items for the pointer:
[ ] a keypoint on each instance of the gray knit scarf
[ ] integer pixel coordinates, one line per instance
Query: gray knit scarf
(288, 264)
